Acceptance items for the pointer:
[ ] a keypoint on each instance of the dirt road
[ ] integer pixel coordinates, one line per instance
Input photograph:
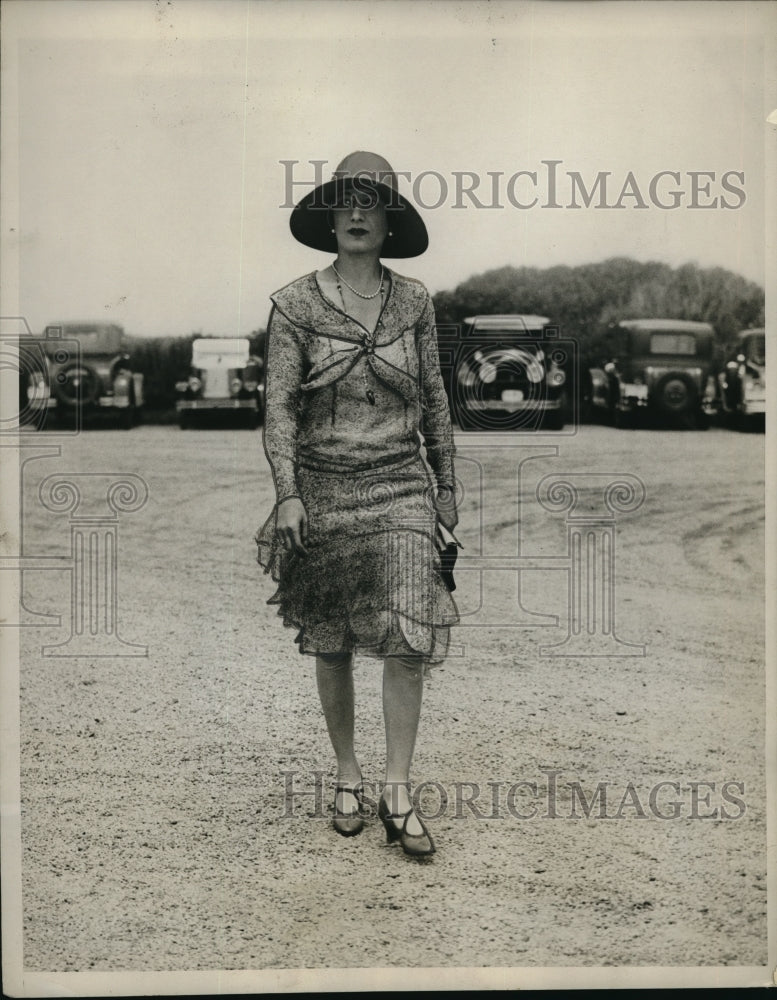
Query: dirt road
(166, 797)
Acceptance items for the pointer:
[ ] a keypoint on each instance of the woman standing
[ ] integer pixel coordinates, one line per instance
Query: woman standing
(352, 378)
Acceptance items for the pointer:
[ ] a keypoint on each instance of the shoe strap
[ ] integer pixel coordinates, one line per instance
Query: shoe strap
(405, 817)
(357, 791)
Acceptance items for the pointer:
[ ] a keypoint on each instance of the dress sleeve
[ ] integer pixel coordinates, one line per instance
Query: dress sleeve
(435, 415)
(283, 378)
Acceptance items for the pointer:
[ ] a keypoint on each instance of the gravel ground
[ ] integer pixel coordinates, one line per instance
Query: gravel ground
(156, 826)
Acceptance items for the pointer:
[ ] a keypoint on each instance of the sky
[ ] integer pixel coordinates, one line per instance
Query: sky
(144, 142)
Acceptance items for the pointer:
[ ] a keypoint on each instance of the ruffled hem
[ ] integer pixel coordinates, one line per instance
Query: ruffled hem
(394, 643)
(377, 594)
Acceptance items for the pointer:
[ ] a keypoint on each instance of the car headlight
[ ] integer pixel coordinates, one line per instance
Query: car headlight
(487, 372)
(37, 387)
(465, 375)
(251, 385)
(534, 372)
(235, 386)
(195, 384)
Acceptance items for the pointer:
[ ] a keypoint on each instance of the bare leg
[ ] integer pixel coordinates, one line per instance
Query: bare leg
(334, 676)
(403, 681)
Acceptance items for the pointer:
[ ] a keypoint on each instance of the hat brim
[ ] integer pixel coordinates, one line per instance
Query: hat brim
(311, 226)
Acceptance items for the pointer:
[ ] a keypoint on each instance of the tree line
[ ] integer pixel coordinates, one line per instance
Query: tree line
(583, 301)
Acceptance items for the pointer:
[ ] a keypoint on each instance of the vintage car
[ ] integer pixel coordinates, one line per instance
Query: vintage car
(661, 369)
(508, 372)
(85, 372)
(742, 383)
(225, 379)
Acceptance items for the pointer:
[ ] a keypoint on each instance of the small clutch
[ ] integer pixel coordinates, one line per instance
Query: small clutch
(448, 548)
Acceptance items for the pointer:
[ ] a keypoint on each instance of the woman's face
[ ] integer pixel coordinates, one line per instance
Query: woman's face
(360, 223)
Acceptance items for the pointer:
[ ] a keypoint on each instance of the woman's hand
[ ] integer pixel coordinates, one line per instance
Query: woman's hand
(291, 525)
(445, 505)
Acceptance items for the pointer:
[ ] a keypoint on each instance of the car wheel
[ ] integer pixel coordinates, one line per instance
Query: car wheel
(675, 396)
(183, 421)
(554, 420)
(127, 418)
(76, 385)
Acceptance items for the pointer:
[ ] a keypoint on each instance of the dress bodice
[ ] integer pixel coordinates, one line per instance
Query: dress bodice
(342, 397)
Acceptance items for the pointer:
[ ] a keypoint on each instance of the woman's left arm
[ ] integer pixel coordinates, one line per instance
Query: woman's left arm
(436, 418)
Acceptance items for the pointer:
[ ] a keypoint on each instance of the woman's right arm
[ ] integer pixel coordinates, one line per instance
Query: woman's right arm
(284, 372)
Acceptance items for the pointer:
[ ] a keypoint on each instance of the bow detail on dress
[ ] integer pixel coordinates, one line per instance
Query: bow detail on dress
(341, 362)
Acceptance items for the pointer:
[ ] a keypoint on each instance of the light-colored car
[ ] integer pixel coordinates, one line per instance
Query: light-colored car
(224, 377)
(509, 374)
(743, 380)
(87, 374)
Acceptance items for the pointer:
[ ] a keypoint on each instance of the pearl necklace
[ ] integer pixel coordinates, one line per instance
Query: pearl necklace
(361, 295)
(342, 298)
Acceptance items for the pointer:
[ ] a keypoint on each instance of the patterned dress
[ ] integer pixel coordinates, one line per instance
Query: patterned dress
(347, 411)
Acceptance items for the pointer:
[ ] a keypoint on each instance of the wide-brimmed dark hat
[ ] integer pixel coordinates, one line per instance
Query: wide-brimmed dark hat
(368, 175)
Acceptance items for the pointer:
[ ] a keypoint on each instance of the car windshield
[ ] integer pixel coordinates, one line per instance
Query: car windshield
(506, 333)
(673, 343)
(526, 338)
(221, 352)
(91, 339)
(518, 326)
